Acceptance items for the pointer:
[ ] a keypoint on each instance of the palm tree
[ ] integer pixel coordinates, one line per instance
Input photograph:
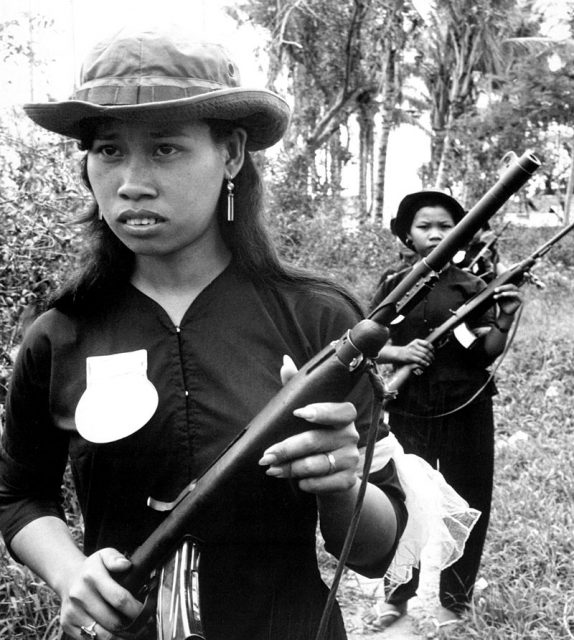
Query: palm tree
(398, 105)
(460, 44)
(559, 48)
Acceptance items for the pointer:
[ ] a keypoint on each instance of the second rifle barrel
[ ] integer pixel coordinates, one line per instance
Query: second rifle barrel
(509, 183)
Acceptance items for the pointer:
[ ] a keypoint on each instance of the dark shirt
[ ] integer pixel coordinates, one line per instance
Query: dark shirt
(484, 266)
(213, 373)
(460, 369)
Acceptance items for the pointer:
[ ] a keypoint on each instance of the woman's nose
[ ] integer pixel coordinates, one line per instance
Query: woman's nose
(137, 181)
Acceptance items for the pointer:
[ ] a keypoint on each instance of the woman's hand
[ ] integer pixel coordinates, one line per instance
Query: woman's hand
(325, 461)
(418, 352)
(93, 596)
(508, 298)
(322, 459)
(326, 457)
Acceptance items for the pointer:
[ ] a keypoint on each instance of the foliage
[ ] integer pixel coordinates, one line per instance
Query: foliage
(526, 564)
(487, 90)
(15, 42)
(332, 64)
(28, 607)
(527, 560)
(460, 54)
(518, 242)
(40, 197)
(533, 110)
(325, 53)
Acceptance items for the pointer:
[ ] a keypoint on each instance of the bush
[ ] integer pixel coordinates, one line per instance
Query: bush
(354, 257)
(40, 199)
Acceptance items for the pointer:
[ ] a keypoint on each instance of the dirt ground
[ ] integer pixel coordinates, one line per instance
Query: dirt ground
(417, 624)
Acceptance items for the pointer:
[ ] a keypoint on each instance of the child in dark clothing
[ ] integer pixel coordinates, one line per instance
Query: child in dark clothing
(445, 414)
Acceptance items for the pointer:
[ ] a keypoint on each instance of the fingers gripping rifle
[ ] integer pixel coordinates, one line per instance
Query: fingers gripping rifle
(518, 274)
(330, 376)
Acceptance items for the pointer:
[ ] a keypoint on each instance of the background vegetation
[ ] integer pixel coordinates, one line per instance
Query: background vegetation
(367, 67)
(527, 562)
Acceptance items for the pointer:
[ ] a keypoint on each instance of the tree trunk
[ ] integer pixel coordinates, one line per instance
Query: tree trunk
(381, 169)
(367, 110)
(363, 161)
(440, 177)
(569, 189)
(390, 90)
(336, 164)
(389, 99)
(437, 146)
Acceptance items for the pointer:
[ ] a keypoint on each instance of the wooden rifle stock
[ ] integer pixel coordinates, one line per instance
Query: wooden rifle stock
(480, 302)
(330, 376)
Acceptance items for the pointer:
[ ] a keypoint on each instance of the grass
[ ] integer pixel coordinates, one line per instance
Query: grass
(527, 562)
(529, 551)
(528, 557)
(27, 607)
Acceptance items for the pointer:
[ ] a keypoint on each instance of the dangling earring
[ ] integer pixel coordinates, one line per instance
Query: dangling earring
(230, 200)
(100, 214)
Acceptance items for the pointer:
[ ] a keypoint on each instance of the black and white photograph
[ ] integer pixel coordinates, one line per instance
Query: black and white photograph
(287, 320)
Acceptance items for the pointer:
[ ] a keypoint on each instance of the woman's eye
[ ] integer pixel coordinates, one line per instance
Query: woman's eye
(107, 150)
(165, 150)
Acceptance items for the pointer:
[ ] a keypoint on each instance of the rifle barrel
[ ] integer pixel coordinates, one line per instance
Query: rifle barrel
(329, 376)
(479, 302)
(410, 290)
(548, 245)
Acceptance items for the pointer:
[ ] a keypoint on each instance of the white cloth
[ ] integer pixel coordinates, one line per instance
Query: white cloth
(439, 519)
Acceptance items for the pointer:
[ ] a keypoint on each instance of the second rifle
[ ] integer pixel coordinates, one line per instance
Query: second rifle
(518, 274)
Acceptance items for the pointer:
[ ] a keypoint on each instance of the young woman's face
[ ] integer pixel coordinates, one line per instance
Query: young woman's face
(430, 226)
(157, 187)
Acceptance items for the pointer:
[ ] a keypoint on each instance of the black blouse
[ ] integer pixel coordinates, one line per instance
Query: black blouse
(213, 373)
(462, 370)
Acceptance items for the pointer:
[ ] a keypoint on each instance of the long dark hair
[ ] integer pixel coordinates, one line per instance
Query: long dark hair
(106, 264)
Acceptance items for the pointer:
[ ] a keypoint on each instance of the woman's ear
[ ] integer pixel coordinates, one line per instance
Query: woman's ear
(235, 152)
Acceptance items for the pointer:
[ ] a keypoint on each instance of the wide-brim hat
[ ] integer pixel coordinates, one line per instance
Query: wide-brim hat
(414, 202)
(164, 77)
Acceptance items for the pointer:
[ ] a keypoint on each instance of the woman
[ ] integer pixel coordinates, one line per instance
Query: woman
(165, 345)
(445, 414)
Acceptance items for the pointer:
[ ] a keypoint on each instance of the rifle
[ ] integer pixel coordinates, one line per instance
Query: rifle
(329, 376)
(518, 274)
(485, 248)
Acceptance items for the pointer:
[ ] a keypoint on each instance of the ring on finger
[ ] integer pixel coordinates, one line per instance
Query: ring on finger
(332, 462)
(88, 632)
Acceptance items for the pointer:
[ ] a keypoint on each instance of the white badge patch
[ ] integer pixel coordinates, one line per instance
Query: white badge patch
(464, 335)
(118, 400)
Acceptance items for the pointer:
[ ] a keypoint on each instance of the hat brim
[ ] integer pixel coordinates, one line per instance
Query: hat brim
(413, 202)
(263, 114)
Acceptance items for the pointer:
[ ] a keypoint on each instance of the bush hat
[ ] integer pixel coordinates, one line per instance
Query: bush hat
(413, 202)
(155, 77)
